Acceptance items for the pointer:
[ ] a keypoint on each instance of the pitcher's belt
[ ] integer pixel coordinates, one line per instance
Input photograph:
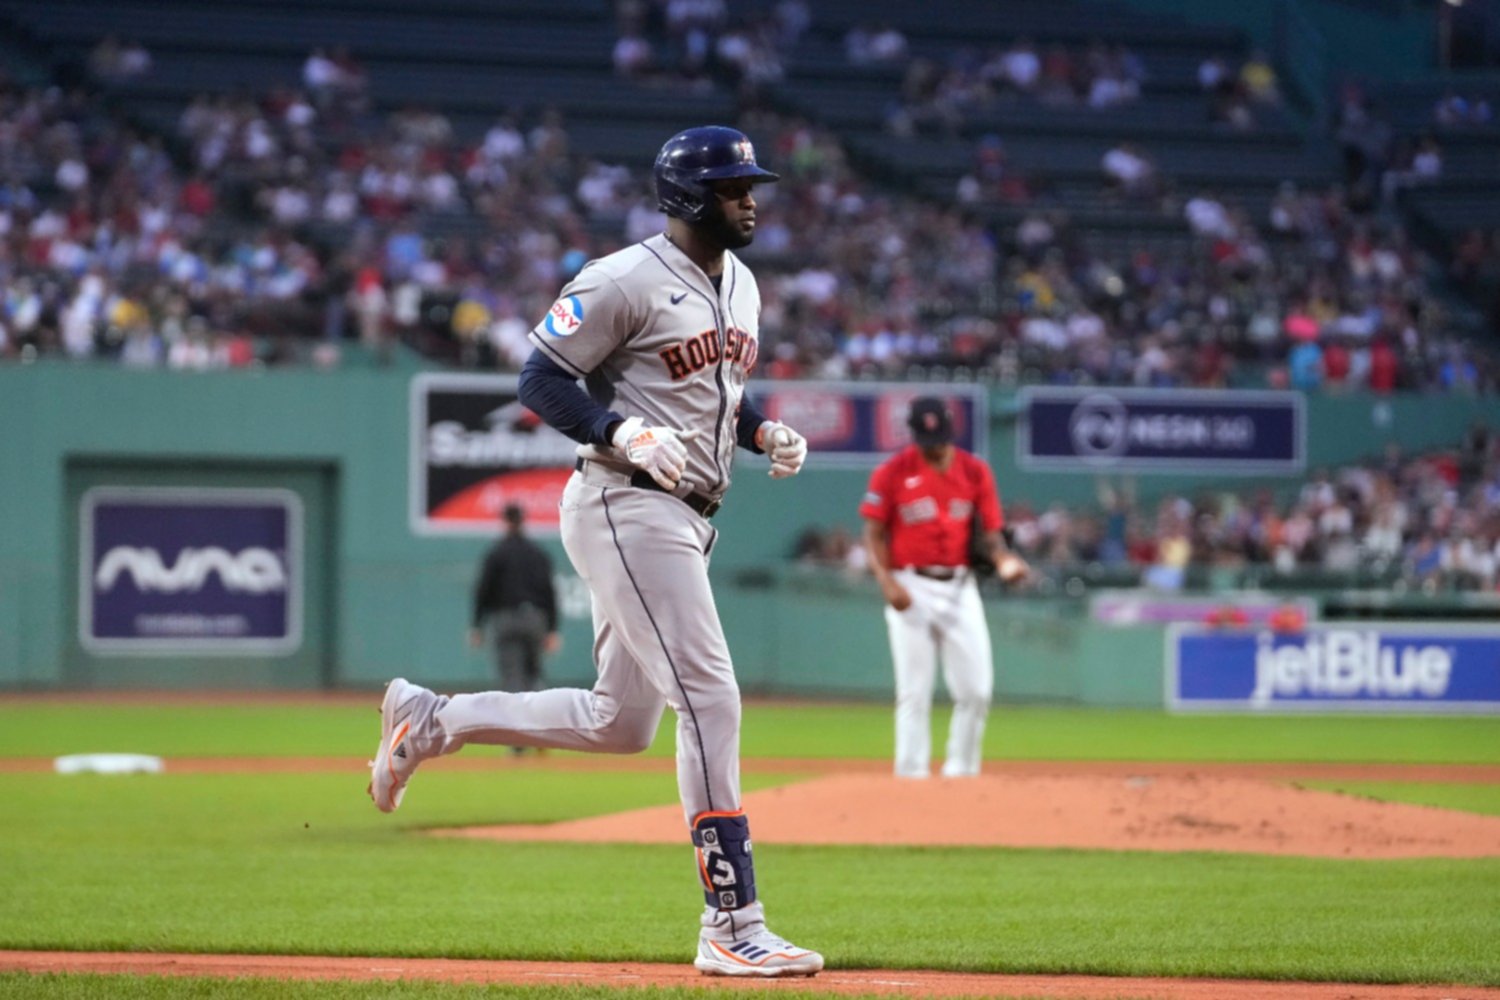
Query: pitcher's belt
(936, 572)
(704, 505)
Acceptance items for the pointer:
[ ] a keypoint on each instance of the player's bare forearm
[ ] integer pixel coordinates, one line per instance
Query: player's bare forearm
(877, 544)
(995, 542)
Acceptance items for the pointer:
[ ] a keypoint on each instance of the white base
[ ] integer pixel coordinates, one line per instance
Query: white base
(109, 763)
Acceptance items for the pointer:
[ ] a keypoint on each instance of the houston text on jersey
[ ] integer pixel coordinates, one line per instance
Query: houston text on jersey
(699, 351)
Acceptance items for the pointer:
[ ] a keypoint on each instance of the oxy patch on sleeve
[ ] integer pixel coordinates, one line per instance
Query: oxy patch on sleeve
(565, 317)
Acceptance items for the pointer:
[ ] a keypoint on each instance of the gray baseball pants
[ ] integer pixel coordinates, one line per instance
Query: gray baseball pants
(657, 642)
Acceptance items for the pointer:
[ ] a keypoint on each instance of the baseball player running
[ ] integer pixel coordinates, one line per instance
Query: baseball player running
(663, 334)
(918, 517)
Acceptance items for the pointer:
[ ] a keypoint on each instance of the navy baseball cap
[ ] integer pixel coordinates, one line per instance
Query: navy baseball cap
(930, 421)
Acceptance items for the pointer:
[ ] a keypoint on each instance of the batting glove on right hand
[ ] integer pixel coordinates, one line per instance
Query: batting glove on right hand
(657, 450)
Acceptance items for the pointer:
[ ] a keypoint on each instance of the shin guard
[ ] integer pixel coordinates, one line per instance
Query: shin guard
(724, 862)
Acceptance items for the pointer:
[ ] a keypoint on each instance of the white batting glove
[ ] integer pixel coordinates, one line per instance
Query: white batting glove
(786, 448)
(657, 450)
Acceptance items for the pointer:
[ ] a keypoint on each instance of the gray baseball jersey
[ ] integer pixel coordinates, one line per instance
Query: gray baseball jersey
(659, 342)
(647, 330)
(654, 340)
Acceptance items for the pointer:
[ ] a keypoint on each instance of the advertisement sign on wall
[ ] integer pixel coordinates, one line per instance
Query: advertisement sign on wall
(1147, 607)
(1151, 430)
(475, 449)
(861, 423)
(190, 571)
(1363, 666)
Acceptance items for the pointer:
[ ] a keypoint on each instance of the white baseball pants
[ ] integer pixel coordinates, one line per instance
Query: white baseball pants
(657, 642)
(945, 621)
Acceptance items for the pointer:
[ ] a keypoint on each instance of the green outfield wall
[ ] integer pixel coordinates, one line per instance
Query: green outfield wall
(819, 634)
(379, 599)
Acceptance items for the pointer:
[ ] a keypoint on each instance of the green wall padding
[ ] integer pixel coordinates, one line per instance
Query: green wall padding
(398, 603)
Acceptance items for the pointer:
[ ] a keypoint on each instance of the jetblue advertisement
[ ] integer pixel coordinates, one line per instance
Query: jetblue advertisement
(190, 571)
(1363, 666)
(1146, 430)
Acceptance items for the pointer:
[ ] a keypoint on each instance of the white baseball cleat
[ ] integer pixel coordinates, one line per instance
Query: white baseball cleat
(759, 954)
(396, 758)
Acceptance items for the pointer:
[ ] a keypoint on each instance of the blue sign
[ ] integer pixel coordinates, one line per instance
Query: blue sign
(1147, 430)
(1365, 666)
(862, 423)
(190, 571)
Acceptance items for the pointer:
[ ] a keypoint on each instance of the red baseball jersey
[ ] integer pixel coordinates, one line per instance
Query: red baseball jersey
(927, 512)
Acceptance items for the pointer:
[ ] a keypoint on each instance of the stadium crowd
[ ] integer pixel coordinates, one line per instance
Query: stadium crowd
(695, 42)
(272, 227)
(1430, 520)
(107, 247)
(946, 94)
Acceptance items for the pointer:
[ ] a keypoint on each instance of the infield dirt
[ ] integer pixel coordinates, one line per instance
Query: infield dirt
(1153, 812)
(889, 982)
(1095, 805)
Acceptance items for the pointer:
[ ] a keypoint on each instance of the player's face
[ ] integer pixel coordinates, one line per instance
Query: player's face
(731, 219)
(937, 454)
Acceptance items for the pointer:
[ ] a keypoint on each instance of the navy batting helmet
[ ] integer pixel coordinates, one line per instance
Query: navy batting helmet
(691, 159)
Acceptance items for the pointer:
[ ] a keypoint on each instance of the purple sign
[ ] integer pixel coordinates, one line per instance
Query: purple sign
(190, 571)
(1159, 430)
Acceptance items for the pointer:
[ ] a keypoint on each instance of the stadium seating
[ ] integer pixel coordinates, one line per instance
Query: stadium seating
(472, 61)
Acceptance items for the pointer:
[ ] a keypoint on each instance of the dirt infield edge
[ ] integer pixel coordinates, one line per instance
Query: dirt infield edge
(883, 982)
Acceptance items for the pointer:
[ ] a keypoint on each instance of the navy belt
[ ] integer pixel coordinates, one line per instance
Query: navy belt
(936, 572)
(705, 506)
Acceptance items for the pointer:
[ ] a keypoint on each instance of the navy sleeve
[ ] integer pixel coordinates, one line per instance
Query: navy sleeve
(747, 423)
(554, 395)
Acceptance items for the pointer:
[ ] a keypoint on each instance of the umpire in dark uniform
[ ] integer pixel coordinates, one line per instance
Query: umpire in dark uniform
(515, 590)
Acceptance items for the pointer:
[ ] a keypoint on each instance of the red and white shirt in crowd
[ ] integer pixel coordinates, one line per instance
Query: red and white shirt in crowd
(926, 512)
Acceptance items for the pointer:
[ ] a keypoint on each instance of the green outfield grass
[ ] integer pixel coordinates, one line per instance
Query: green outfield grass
(1468, 798)
(303, 864)
(778, 730)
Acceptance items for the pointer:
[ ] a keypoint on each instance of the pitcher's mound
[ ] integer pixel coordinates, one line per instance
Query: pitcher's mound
(1080, 811)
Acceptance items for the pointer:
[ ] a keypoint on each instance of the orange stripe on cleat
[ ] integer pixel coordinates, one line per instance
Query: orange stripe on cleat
(390, 757)
(727, 953)
(733, 957)
(389, 765)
